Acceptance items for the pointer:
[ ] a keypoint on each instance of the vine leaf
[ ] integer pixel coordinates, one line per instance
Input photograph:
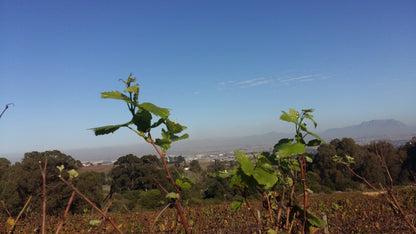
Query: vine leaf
(108, 129)
(245, 162)
(235, 205)
(152, 108)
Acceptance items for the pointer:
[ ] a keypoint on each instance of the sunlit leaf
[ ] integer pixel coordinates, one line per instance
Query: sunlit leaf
(172, 195)
(292, 116)
(60, 168)
(132, 89)
(73, 173)
(281, 143)
(265, 177)
(161, 112)
(245, 162)
(314, 220)
(292, 149)
(174, 127)
(271, 231)
(183, 185)
(11, 221)
(115, 95)
(94, 222)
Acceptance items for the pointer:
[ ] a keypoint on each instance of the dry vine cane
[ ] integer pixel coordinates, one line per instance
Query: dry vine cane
(142, 115)
(389, 194)
(73, 174)
(5, 108)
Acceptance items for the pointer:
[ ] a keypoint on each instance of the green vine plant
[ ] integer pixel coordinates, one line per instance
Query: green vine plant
(141, 123)
(274, 175)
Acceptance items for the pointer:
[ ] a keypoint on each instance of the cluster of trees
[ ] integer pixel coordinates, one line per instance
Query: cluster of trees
(23, 179)
(136, 182)
(330, 176)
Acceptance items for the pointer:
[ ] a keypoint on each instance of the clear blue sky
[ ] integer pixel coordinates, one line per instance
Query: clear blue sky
(224, 68)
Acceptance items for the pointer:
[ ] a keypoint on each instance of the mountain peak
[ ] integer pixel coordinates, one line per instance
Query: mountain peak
(372, 128)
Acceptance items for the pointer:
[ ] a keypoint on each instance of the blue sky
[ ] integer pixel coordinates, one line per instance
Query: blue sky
(224, 68)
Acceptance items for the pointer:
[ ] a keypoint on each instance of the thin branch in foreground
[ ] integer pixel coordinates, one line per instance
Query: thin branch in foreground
(91, 203)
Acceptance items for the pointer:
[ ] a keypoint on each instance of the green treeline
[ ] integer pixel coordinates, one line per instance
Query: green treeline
(135, 182)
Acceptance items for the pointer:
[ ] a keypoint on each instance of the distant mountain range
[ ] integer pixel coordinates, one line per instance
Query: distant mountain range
(390, 130)
(373, 128)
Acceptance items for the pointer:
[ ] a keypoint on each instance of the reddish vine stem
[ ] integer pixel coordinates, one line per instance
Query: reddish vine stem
(177, 202)
(302, 164)
(43, 172)
(269, 207)
(91, 203)
(248, 205)
(61, 223)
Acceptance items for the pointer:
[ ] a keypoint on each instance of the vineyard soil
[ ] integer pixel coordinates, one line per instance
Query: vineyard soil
(352, 212)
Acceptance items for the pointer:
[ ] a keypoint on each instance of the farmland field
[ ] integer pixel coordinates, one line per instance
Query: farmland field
(352, 212)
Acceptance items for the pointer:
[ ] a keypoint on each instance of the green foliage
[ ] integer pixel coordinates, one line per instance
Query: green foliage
(152, 199)
(24, 179)
(277, 172)
(133, 173)
(142, 117)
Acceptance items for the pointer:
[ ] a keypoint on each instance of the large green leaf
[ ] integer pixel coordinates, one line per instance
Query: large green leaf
(314, 220)
(292, 149)
(245, 162)
(178, 138)
(282, 142)
(265, 177)
(108, 129)
(292, 116)
(161, 112)
(115, 95)
(143, 120)
(174, 127)
(133, 89)
(183, 185)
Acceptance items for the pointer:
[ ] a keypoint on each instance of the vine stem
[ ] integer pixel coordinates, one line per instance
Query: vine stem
(248, 205)
(305, 193)
(43, 172)
(177, 202)
(61, 223)
(91, 203)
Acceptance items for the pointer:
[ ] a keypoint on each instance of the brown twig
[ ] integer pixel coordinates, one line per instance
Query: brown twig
(20, 214)
(390, 197)
(61, 223)
(266, 196)
(43, 172)
(91, 203)
(390, 190)
(5, 108)
(248, 205)
(5, 208)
